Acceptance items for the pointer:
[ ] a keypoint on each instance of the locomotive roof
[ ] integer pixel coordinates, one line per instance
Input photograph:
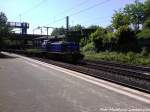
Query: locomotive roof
(62, 42)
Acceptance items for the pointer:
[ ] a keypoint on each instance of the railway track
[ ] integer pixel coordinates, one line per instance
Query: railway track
(130, 76)
(122, 65)
(135, 79)
(122, 69)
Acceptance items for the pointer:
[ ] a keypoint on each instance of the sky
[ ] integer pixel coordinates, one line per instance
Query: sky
(53, 12)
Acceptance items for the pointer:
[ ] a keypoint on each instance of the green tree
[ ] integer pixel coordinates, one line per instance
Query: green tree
(58, 31)
(125, 38)
(3, 28)
(135, 12)
(110, 28)
(77, 27)
(147, 23)
(120, 19)
(111, 38)
(3, 22)
(75, 33)
(147, 9)
(93, 27)
(144, 34)
(98, 38)
(89, 48)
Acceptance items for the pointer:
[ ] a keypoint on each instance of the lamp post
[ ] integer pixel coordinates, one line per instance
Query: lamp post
(37, 29)
(33, 31)
(40, 29)
(47, 28)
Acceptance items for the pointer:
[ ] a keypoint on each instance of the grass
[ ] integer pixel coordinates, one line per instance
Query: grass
(130, 57)
(33, 50)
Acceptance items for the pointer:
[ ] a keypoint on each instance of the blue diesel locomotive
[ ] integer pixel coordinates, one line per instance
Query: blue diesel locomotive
(62, 50)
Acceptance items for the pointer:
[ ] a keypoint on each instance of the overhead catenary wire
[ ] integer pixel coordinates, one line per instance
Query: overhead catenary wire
(91, 7)
(69, 9)
(30, 9)
(96, 19)
(74, 7)
(58, 20)
(83, 10)
(98, 22)
(34, 7)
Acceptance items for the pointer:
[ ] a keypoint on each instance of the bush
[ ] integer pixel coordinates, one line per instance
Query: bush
(126, 39)
(111, 38)
(125, 35)
(90, 47)
(82, 42)
(147, 23)
(144, 34)
(98, 38)
(144, 51)
(130, 57)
